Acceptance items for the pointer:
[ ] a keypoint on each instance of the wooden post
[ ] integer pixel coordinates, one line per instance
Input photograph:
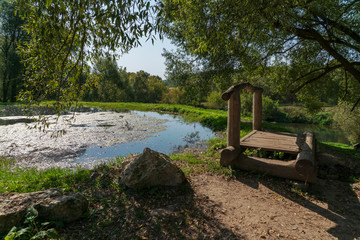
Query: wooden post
(233, 126)
(305, 162)
(257, 110)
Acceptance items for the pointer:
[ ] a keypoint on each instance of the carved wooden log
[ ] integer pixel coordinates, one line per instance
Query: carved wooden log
(257, 110)
(233, 127)
(271, 167)
(229, 155)
(226, 95)
(305, 161)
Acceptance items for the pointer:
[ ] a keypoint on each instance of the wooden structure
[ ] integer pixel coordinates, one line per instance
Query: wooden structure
(302, 146)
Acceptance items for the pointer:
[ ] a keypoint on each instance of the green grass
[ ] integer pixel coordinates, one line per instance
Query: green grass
(343, 150)
(15, 179)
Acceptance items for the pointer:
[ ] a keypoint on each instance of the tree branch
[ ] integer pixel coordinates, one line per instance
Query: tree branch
(311, 33)
(327, 70)
(353, 108)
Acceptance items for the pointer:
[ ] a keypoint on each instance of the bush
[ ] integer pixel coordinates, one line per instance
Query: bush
(322, 118)
(271, 111)
(173, 96)
(348, 121)
(246, 103)
(215, 101)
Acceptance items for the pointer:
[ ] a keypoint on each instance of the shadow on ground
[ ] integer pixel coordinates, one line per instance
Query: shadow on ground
(156, 213)
(339, 200)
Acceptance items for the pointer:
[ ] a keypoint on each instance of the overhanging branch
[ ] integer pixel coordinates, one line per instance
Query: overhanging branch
(326, 71)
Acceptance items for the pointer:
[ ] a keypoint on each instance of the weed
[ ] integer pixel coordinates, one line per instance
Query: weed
(32, 229)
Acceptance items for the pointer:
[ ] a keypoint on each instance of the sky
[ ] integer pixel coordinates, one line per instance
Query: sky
(147, 57)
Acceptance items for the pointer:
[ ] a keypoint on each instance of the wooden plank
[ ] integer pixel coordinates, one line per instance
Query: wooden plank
(249, 135)
(284, 142)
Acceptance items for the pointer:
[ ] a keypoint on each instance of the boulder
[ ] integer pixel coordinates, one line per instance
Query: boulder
(51, 204)
(151, 169)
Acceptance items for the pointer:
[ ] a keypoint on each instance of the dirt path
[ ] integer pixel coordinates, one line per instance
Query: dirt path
(265, 208)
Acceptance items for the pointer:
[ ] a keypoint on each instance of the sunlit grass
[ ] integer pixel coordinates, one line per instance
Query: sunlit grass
(17, 179)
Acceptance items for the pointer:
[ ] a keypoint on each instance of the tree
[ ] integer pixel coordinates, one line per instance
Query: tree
(147, 88)
(67, 37)
(196, 77)
(112, 83)
(313, 38)
(11, 37)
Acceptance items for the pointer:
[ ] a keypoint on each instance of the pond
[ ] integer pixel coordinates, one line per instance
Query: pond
(94, 136)
(322, 133)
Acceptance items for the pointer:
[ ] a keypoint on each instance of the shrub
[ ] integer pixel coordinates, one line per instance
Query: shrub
(173, 96)
(271, 109)
(348, 121)
(215, 101)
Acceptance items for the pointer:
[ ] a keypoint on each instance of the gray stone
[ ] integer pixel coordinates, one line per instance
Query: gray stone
(151, 169)
(51, 204)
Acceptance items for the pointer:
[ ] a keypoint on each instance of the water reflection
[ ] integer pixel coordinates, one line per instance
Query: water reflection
(178, 135)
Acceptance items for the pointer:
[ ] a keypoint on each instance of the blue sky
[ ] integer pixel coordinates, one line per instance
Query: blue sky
(147, 57)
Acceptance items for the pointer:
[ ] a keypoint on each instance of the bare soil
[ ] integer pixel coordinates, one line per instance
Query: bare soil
(210, 206)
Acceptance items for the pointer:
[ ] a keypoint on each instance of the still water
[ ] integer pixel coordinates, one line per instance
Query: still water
(177, 135)
(94, 136)
(322, 133)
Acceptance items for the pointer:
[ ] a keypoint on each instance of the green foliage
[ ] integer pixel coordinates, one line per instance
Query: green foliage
(270, 108)
(11, 36)
(192, 164)
(32, 229)
(195, 78)
(258, 152)
(147, 88)
(214, 100)
(348, 121)
(115, 84)
(292, 45)
(297, 114)
(174, 95)
(112, 83)
(215, 144)
(67, 37)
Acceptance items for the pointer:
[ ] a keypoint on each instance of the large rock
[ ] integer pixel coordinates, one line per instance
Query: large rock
(151, 169)
(51, 204)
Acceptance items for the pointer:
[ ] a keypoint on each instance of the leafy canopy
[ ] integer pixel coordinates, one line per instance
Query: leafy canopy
(69, 36)
(313, 38)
